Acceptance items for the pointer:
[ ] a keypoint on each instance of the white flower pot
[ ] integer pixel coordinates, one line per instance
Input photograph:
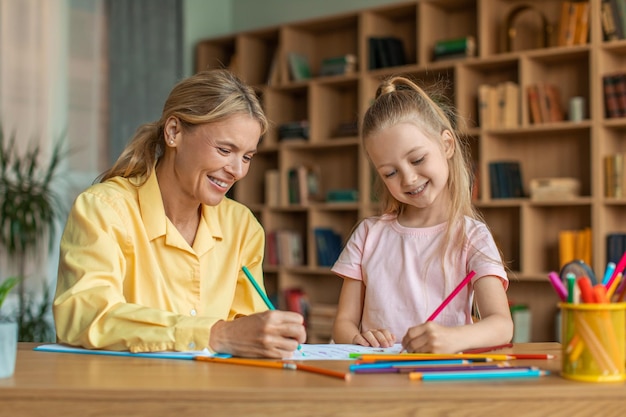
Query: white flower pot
(8, 349)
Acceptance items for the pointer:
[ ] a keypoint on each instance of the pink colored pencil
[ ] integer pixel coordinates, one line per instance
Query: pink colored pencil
(463, 283)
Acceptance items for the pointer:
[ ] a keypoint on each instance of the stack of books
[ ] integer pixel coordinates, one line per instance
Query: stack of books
(499, 105)
(614, 85)
(544, 101)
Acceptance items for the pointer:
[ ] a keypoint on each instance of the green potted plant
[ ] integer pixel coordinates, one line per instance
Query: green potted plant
(8, 333)
(30, 208)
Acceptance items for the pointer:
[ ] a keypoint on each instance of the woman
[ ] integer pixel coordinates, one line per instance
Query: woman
(151, 256)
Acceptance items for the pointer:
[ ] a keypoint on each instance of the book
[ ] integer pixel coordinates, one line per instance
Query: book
(614, 176)
(464, 46)
(385, 52)
(272, 188)
(505, 179)
(299, 66)
(619, 81)
(488, 106)
(574, 244)
(533, 104)
(274, 73)
(544, 103)
(338, 65)
(553, 97)
(298, 129)
(620, 7)
(342, 195)
(612, 28)
(303, 182)
(581, 34)
(567, 24)
(615, 246)
(328, 245)
(508, 104)
(611, 101)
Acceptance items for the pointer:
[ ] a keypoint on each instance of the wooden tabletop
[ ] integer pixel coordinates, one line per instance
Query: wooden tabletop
(65, 384)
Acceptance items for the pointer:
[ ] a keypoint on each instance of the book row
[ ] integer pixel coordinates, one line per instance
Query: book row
(614, 85)
(613, 18)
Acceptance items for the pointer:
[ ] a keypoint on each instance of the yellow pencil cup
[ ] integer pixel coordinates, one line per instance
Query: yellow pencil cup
(593, 342)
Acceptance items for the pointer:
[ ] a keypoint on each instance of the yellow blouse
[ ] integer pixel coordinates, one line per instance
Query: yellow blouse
(129, 281)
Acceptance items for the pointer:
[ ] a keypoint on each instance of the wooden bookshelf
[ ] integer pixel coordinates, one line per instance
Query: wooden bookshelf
(526, 230)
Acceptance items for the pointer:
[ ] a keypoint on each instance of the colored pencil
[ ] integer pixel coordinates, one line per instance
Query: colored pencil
(373, 357)
(247, 362)
(477, 374)
(608, 272)
(558, 286)
(445, 302)
(389, 364)
(530, 356)
(323, 371)
(619, 268)
(488, 348)
(258, 289)
(401, 370)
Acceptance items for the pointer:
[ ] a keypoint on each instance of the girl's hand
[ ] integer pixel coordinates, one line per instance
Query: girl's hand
(271, 334)
(375, 338)
(430, 337)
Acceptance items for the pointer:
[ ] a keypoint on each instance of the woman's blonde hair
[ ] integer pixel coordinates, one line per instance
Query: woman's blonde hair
(206, 97)
(398, 100)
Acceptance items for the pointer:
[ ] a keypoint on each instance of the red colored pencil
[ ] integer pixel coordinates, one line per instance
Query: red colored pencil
(530, 355)
(488, 348)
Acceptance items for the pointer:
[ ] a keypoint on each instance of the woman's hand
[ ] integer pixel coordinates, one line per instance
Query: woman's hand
(271, 334)
(375, 338)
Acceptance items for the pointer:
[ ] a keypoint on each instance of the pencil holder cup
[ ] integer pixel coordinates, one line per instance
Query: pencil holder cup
(593, 342)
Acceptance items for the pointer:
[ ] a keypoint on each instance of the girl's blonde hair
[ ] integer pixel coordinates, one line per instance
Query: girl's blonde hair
(206, 97)
(399, 100)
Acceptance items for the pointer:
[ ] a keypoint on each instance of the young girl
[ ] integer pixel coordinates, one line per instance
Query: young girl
(400, 266)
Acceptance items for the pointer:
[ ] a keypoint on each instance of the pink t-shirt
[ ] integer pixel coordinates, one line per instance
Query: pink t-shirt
(390, 259)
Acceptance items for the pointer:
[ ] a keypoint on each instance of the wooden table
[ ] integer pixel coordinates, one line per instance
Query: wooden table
(63, 384)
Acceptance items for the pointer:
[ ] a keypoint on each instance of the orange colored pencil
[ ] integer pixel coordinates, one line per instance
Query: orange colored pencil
(248, 362)
(323, 371)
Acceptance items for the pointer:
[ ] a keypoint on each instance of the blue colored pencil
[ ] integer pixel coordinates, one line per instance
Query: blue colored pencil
(478, 374)
(258, 289)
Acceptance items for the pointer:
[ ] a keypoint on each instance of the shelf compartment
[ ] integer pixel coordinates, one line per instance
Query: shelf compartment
(257, 52)
(493, 25)
(542, 224)
(541, 301)
(505, 225)
(335, 111)
(448, 19)
(215, 53)
(563, 68)
(321, 38)
(285, 105)
(340, 167)
(472, 74)
(535, 149)
(399, 21)
(341, 222)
